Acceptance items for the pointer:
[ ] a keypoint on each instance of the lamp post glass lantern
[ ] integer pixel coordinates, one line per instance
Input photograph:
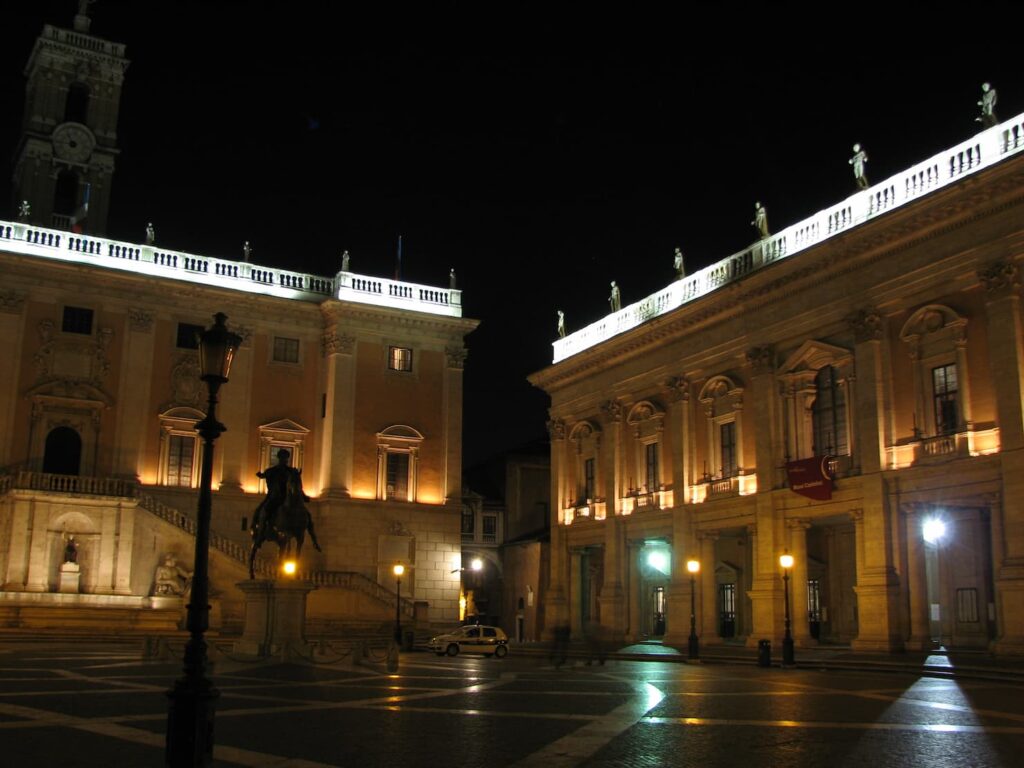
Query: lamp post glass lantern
(193, 697)
(786, 561)
(693, 566)
(398, 570)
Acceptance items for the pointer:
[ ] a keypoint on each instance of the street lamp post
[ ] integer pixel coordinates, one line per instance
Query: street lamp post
(399, 569)
(693, 567)
(193, 697)
(786, 561)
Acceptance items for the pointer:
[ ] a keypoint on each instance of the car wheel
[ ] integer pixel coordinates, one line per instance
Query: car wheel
(453, 650)
(500, 652)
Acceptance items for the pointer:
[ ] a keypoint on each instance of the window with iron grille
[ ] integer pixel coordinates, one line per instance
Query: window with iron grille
(727, 434)
(944, 392)
(286, 350)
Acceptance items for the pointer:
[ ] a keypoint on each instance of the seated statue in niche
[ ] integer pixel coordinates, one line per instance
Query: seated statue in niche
(170, 579)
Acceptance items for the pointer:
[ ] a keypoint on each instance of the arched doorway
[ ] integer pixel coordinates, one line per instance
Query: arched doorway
(63, 452)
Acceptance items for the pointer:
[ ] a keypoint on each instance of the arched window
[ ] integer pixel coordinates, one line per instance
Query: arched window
(936, 337)
(828, 414)
(76, 107)
(63, 452)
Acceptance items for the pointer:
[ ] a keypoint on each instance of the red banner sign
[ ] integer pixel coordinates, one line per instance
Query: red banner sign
(810, 478)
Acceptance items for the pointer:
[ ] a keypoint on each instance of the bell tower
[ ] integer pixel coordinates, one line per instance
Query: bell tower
(64, 163)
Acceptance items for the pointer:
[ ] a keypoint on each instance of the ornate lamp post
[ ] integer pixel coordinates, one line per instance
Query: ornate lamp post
(193, 697)
(399, 569)
(693, 566)
(786, 561)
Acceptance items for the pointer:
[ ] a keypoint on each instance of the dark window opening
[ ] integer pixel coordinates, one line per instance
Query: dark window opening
(651, 456)
(397, 476)
(63, 452)
(286, 350)
(828, 414)
(180, 460)
(188, 335)
(76, 106)
(65, 198)
(77, 320)
(727, 433)
(944, 390)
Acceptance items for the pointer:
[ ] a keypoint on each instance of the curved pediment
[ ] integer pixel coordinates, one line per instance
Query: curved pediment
(814, 355)
(930, 319)
(400, 432)
(581, 430)
(645, 410)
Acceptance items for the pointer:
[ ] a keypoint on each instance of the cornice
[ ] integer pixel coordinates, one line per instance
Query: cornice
(994, 190)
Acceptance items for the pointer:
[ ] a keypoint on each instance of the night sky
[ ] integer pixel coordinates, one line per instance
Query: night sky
(541, 156)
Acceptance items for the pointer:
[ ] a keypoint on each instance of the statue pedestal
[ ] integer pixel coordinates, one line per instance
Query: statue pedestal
(275, 618)
(70, 575)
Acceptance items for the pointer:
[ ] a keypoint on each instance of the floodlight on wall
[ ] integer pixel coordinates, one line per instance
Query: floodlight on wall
(933, 529)
(658, 560)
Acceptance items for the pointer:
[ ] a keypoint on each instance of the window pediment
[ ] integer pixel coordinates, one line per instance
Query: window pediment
(932, 319)
(814, 355)
(645, 410)
(286, 426)
(583, 430)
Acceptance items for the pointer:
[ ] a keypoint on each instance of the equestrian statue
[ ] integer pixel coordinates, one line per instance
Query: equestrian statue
(282, 516)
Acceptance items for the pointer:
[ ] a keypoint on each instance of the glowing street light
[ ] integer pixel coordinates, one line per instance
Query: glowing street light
(786, 561)
(693, 566)
(398, 570)
(289, 567)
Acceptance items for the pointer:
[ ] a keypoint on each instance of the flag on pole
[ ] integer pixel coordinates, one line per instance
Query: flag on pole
(80, 215)
(398, 262)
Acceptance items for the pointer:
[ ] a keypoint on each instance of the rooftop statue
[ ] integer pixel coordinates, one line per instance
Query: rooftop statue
(760, 222)
(615, 299)
(150, 234)
(860, 157)
(987, 118)
(344, 261)
(561, 324)
(246, 252)
(678, 265)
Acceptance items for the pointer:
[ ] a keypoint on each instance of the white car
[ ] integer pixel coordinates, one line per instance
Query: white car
(477, 638)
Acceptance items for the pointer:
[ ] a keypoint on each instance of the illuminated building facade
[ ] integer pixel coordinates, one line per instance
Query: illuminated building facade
(848, 390)
(358, 377)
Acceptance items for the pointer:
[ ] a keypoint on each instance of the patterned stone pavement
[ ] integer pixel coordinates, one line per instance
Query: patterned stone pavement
(86, 704)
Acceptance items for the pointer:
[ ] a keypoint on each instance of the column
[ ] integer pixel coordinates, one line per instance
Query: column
(798, 583)
(108, 546)
(232, 451)
(456, 359)
(575, 591)
(556, 611)
(634, 628)
(766, 582)
(917, 581)
(19, 545)
(707, 598)
(768, 452)
(1001, 281)
(133, 407)
(125, 546)
(868, 394)
(339, 417)
(13, 336)
(38, 554)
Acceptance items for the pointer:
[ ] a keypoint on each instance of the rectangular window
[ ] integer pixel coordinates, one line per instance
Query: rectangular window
(944, 390)
(490, 528)
(651, 457)
(588, 480)
(180, 459)
(400, 359)
(468, 524)
(188, 335)
(77, 320)
(813, 600)
(286, 350)
(397, 477)
(727, 436)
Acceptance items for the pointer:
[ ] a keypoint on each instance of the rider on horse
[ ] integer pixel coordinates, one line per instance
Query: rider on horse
(277, 478)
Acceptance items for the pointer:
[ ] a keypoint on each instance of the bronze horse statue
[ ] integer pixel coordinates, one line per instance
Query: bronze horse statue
(286, 523)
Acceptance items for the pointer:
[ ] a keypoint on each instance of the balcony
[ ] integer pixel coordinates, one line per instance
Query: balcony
(588, 509)
(969, 157)
(639, 500)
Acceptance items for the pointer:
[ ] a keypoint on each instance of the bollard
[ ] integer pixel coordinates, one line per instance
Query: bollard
(764, 653)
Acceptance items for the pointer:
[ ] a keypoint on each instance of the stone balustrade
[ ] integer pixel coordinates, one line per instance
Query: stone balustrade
(31, 240)
(980, 151)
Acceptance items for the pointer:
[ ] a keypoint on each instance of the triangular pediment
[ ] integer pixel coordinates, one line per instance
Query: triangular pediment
(814, 355)
(284, 425)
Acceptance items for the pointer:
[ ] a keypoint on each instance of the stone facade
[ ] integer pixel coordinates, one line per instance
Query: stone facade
(892, 350)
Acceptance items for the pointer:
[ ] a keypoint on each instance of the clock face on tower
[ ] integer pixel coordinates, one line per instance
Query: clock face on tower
(73, 142)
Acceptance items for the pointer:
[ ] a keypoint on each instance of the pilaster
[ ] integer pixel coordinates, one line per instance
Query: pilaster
(339, 352)
(134, 394)
(869, 397)
(798, 606)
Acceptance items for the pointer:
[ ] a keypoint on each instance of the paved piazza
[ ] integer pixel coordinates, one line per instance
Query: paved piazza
(81, 704)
